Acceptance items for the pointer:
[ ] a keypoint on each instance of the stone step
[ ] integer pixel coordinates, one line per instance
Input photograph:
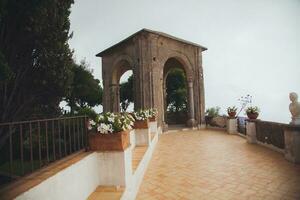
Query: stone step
(107, 193)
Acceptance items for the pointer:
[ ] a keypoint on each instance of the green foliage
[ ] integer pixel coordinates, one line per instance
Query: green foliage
(231, 109)
(85, 90)
(126, 93)
(176, 90)
(5, 72)
(213, 111)
(253, 110)
(35, 58)
(89, 112)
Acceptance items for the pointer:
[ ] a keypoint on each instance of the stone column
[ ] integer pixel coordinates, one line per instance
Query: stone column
(232, 125)
(115, 98)
(191, 121)
(164, 123)
(251, 131)
(292, 143)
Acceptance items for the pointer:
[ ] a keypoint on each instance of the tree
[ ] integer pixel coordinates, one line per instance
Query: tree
(126, 93)
(176, 90)
(35, 56)
(85, 90)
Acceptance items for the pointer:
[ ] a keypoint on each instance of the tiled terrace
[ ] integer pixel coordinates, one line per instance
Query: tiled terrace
(215, 165)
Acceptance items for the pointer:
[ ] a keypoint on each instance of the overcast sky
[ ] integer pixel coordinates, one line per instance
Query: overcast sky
(253, 45)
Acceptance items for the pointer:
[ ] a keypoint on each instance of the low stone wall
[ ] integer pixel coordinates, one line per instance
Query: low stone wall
(283, 138)
(271, 133)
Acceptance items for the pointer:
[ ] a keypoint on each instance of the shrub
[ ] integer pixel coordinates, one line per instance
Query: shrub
(213, 111)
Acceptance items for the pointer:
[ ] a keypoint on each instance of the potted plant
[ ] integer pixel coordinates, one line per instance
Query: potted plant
(141, 119)
(110, 132)
(232, 111)
(252, 112)
(152, 115)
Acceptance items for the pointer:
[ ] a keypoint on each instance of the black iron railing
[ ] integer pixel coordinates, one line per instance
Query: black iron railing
(29, 145)
(241, 125)
(270, 133)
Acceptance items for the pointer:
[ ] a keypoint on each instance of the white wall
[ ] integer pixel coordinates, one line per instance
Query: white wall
(76, 182)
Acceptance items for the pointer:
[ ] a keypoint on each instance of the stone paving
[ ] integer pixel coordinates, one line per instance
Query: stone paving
(211, 164)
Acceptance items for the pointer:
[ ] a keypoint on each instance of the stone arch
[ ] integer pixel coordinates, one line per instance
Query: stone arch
(185, 65)
(120, 65)
(183, 59)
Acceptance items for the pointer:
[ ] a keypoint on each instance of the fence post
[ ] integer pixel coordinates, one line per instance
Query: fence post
(251, 131)
(232, 125)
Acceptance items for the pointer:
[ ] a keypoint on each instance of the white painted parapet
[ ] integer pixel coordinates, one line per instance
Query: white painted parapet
(153, 126)
(116, 167)
(251, 131)
(131, 191)
(110, 168)
(232, 126)
(132, 138)
(75, 182)
(292, 143)
(142, 137)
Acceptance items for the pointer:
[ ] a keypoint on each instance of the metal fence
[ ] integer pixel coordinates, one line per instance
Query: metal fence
(270, 133)
(241, 125)
(29, 145)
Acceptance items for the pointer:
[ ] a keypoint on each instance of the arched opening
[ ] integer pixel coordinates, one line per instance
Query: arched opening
(127, 92)
(122, 87)
(175, 93)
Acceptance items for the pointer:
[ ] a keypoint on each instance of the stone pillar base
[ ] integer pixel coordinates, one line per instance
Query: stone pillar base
(232, 126)
(165, 127)
(115, 167)
(191, 123)
(292, 143)
(251, 132)
(295, 121)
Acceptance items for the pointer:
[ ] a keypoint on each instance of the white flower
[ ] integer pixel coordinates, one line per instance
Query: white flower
(91, 122)
(104, 128)
(110, 119)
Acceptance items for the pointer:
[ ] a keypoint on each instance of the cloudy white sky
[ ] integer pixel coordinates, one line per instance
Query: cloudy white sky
(253, 45)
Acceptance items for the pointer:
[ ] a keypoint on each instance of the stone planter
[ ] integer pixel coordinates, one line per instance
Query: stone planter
(152, 119)
(141, 124)
(109, 142)
(252, 115)
(231, 115)
(251, 131)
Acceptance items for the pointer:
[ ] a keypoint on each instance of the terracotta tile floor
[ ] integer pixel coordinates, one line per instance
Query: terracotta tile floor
(214, 165)
(137, 155)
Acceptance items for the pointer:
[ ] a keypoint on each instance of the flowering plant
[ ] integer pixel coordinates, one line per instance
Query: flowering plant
(112, 123)
(253, 110)
(153, 112)
(231, 109)
(92, 124)
(141, 115)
